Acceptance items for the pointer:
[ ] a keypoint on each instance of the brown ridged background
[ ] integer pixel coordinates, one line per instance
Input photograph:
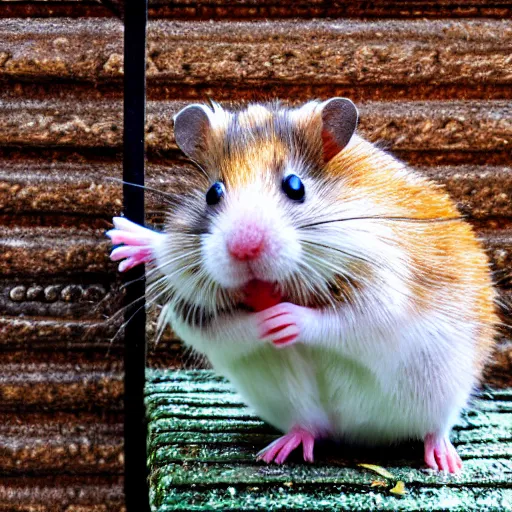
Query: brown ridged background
(433, 82)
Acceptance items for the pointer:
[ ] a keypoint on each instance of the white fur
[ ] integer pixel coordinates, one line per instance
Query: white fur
(282, 248)
(366, 371)
(375, 371)
(348, 376)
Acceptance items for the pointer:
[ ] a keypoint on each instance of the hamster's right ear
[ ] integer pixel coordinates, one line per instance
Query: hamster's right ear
(339, 122)
(192, 126)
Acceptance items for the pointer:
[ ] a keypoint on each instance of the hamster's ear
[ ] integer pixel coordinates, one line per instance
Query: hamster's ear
(192, 126)
(339, 122)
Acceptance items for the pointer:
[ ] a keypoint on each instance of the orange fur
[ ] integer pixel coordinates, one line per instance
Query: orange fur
(450, 263)
(249, 166)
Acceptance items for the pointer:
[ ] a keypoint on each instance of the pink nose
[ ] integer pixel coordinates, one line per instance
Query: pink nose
(246, 242)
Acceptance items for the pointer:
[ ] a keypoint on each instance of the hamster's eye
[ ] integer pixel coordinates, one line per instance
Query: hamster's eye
(294, 188)
(215, 193)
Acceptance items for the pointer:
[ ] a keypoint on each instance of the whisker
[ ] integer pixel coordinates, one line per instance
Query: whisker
(368, 285)
(336, 270)
(123, 309)
(315, 290)
(345, 253)
(158, 268)
(174, 197)
(392, 219)
(161, 324)
(201, 170)
(147, 304)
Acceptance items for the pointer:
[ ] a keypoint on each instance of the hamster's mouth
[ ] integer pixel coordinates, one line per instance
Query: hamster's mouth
(260, 295)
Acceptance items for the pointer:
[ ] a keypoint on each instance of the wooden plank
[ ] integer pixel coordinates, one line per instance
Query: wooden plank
(495, 472)
(78, 443)
(339, 497)
(59, 334)
(28, 186)
(202, 444)
(333, 51)
(468, 126)
(62, 493)
(320, 51)
(43, 250)
(56, 385)
(208, 9)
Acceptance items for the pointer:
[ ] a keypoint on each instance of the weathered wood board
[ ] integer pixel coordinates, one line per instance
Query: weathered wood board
(202, 442)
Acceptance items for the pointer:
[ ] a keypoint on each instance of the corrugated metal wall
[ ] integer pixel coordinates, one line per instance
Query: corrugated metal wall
(432, 79)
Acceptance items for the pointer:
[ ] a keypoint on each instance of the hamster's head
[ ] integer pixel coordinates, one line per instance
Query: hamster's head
(272, 179)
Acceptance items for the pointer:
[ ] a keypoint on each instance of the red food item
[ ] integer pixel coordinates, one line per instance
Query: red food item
(260, 295)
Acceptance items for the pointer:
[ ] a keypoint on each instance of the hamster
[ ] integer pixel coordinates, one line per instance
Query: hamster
(340, 292)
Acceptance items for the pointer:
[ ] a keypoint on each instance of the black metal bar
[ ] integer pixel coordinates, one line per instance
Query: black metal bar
(135, 428)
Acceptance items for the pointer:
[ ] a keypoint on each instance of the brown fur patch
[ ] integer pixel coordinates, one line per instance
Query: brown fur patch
(252, 162)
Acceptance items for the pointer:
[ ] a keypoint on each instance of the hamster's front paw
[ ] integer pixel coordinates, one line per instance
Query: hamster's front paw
(138, 243)
(281, 324)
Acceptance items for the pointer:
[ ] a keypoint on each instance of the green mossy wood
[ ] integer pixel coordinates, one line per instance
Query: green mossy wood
(202, 442)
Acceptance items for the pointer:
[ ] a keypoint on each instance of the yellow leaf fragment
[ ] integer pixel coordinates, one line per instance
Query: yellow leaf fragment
(379, 483)
(399, 489)
(378, 469)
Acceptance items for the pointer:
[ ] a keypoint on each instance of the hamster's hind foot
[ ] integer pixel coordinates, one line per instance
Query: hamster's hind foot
(279, 450)
(440, 454)
(138, 243)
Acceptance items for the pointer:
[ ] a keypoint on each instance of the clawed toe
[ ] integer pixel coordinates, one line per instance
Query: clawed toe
(440, 454)
(280, 324)
(279, 450)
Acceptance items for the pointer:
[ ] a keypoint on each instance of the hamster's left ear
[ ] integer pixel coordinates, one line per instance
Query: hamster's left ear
(339, 122)
(192, 126)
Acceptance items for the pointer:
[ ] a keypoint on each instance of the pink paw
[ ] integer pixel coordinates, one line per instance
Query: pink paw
(138, 243)
(441, 455)
(280, 324)
(279, 450)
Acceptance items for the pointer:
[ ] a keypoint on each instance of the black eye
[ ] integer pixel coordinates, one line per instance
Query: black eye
(294, 188)
(215, 193)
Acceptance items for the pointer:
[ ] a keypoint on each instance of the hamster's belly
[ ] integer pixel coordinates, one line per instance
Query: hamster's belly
(320, 390)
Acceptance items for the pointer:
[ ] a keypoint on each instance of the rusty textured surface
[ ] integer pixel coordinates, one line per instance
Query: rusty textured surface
(27, 187)
(41, 250)
(63, 494)
(35, 333)
(436, 91)
(470, 126)
(85, 49)
(377, 52)
(66, 442)
(54, 8)
(50, 386)
(219, 9)
(336, 51)
(471, 53)
(254, 9)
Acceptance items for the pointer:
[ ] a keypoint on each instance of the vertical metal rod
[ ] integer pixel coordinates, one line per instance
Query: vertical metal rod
(135, 428)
